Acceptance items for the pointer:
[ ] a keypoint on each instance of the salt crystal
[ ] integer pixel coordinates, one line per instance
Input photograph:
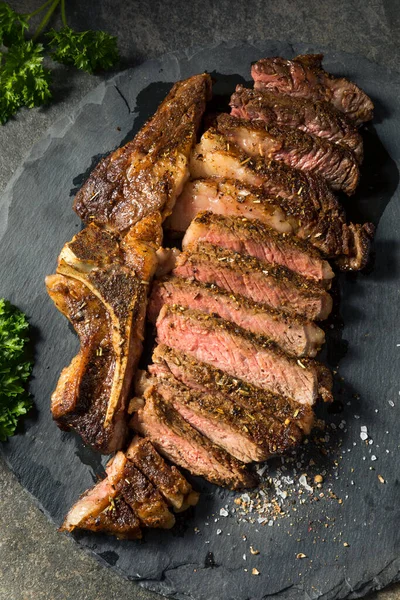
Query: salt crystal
(303, 482)
(356, 416)
(219, 531)
(262, 470)
(370, 442)
(244, 557)
(270, 522)
(364, 436)
(373, 457)
(391, 403)
(223, 512)
(364, 428)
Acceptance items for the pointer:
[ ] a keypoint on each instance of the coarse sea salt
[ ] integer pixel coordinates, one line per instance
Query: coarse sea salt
(303, 482)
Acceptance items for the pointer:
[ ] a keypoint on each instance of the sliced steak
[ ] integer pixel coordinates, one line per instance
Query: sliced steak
(205, 378)
(241, 354)
(144, 499)
(229, 197)
(176, 439)
(167, 479)
(246, 436)
(304, 77)
(256, 239)
(318, 118)
(294, 335)
(116, 519)
(246, 276)
(102, 508)
(301, 195)
(295, 148)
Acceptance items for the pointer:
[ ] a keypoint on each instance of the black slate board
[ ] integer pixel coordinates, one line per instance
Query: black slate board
(36, 219)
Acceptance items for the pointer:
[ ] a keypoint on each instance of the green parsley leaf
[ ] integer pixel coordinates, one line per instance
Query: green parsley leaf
(23, 79)
(12, 25)
(86, 50)
(15, 367)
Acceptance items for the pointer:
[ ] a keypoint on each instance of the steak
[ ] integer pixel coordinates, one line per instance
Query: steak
(256, 239)
(246, 436)
(293, 334)
(205, 378)
(144, 499)
(260, 282)
(318, 118)
(302, 195)
(96, 288)
(148, 173)
(297, 149)
(168, 480)
(116, 519)
(127, 499)
(241, 354)
(101, 508)
(304, 77)
(176, 439)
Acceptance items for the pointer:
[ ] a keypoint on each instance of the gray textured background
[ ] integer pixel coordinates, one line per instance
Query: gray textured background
(35, 561)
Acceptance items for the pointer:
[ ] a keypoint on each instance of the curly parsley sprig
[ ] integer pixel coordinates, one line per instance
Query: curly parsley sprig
(15, 367)
(24, 81)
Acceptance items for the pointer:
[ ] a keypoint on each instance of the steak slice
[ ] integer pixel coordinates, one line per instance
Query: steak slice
(241, 354)
(205, 378)
(246, 436)
(101, 508)
(246, 276)
(304, 77)
(293, 334)
(295, 148)
(318, 118)
(176, 439)
(116, 519)
(168, 480)
(256, 239)
(148, 173)
(302, 196)
(144, 499)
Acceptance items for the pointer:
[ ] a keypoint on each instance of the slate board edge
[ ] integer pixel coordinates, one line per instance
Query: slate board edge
(388, 575)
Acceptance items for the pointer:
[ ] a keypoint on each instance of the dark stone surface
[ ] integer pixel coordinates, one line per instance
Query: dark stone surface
(188, 565)
(35, 561)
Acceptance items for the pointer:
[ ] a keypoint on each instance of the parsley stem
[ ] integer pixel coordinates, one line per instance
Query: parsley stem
(46, 19)
(63, 14)
(39, 10)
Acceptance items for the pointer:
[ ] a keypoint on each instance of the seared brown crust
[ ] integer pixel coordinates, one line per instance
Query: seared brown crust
(287, 250)
(294, 334)
(318, 118)
(144, 499)
(147, 173)
(297, 149)
(168, 480)
(204, 377)
(223, 421)
(171, 435)
(304, 77)
(116, 519)
(290, 292)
